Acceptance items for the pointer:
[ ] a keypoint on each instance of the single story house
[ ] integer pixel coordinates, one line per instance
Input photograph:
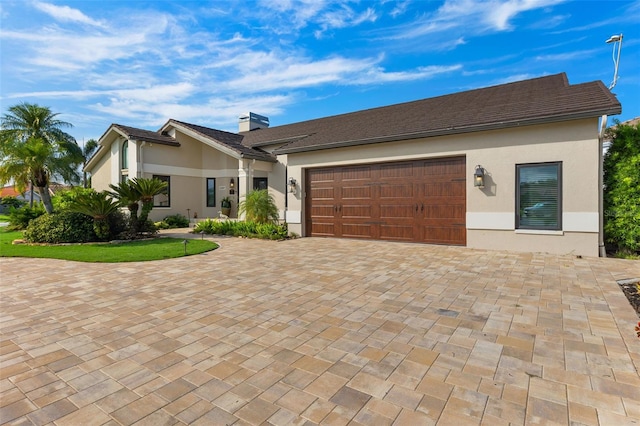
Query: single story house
(511, 167)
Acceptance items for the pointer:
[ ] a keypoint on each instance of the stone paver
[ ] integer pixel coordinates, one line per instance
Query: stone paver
(320, 331)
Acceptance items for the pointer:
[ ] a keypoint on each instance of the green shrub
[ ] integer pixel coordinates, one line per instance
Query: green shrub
(62, 227)
(176, 221)
(63, 200)
(259, 206)
(243, 229)
(12, 202)
(161, 225)
(118, 223)
(622, 188)
(19, 218)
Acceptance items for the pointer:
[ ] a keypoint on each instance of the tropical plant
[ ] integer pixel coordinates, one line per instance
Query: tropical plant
(259, 206)
(34, 148)
(20, 218)
(128, 196)
(99, 206)
(622, 188)
(247, 229)
(88, 150)
(147, 189)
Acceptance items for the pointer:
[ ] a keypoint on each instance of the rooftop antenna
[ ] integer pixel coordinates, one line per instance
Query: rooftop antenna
(617, 41)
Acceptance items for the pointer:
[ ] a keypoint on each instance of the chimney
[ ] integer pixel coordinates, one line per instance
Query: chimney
(251, 121)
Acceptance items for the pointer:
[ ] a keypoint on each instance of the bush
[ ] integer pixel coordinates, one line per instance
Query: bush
(12, 202)
(63, 200)
(176, 221)
(622, 188)
(62, 227)
(247, 229)
(19, 218)
(259, 206)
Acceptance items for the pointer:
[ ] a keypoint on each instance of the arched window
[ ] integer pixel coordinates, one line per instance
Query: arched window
(125, 155)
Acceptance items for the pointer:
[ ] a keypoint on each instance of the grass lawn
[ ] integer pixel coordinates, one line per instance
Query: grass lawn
(135, 251)
(4, 218)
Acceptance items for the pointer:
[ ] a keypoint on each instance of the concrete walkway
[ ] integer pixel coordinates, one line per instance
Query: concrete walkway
(320, 331)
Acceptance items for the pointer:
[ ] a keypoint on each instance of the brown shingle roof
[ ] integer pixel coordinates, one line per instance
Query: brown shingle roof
(539, 100)
(146, 135)
(232, 141)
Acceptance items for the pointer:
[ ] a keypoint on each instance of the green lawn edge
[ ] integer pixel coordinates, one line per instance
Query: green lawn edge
(131, 251)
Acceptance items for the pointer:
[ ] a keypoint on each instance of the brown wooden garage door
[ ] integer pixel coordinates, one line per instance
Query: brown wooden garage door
(421, 201)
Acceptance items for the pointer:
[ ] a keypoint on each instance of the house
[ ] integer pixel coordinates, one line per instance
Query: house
(514, 166)
(12, 191)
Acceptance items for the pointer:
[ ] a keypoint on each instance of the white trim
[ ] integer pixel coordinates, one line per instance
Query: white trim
(504, 221)
(581, 221)
(161, 169)
(538, 232)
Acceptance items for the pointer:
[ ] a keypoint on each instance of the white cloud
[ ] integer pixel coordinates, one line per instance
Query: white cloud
(66, 14)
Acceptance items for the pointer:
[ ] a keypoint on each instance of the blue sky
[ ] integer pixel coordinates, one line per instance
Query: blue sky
(139, 63)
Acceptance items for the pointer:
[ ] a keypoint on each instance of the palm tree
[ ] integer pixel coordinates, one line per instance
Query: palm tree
(32, 136)
(147, 188)
(259, 206)
(128, 196)
(88, 150)
(99, 206)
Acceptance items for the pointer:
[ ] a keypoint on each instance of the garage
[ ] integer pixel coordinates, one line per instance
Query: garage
(415, 201)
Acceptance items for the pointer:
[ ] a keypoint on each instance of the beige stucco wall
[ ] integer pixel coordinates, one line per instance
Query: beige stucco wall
(101, 173)
(491, 211)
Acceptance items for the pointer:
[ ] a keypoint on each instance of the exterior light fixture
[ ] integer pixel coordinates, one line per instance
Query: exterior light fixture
(478, 177)
(617, 41)
(232, 183)
(292, 185)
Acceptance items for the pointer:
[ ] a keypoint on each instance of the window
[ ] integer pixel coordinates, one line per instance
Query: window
(125, 155)
(539, 196)
(163, 199)
(211, 192)
(260, 183)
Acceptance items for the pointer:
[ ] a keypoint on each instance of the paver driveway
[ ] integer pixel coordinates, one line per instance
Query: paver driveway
(320, 331)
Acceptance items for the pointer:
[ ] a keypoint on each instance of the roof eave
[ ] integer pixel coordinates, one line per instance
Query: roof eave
(454, 130)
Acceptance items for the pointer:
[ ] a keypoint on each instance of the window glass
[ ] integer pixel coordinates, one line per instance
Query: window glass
(163, 199)
(125, 155)
(539, 201)
(260, 183)
(211, 192)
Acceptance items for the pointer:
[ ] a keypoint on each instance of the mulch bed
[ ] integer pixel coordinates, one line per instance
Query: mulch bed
(631, 289)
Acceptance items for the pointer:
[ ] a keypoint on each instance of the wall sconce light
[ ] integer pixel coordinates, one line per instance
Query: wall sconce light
(292, 185)
(232, 183)
(478, 177)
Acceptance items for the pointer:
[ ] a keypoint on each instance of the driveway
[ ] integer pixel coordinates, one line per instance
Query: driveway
(320, 331)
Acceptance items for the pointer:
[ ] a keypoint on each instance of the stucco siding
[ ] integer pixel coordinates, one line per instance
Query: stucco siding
(101, 173)
(491, 210)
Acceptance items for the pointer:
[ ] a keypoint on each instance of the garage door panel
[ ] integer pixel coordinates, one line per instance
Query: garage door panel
(399, 190)
(356, 192)
(397, 232)
(443, 235)
(326, 229)
(356, 173)
(321, 176)
(322, 211)
(396, 171)
(445, 212)
(323, 194)
(357, 230)
(391, 211)
(353, 211)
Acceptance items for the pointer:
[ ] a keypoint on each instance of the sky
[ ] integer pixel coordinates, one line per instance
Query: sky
(140, 63)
